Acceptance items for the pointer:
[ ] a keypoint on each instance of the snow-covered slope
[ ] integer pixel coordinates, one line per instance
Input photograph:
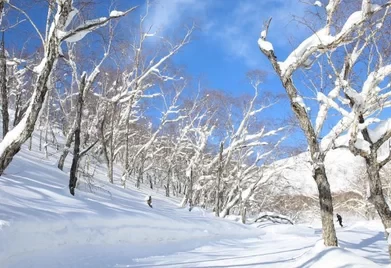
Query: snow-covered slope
(42, 225)
(36, 206)
(342, 169)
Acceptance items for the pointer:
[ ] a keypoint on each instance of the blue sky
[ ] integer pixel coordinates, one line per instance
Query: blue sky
(224, 47)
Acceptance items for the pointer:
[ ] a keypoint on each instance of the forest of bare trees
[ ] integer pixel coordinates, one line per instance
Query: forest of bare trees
(99, 91)
(99, 98)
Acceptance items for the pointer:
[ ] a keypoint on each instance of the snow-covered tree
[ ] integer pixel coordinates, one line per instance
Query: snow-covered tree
(60, 15)
(350, 33)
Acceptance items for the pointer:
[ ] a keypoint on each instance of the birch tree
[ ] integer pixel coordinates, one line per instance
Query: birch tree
(361, 100)
(57, 31)
(325, 42)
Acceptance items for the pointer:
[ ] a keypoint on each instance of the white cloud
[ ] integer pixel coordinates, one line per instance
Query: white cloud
(234, 25)
(167, 14)
(239, 32)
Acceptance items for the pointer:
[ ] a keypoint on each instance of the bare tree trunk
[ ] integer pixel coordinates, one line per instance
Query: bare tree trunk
(125, 175)
(189, 192)
(317, 157)
(106, 152)
(219, 175)
(243, 213)
(30, 143)
(40, 139)
(326, 206)
(18, 99)
(110, 171)
(47, 126)
(68, 142)
(167, 186)
(76, 147)
(4, 93)
(376, 193)
(110, 148)
(150, 182)
(140, 171)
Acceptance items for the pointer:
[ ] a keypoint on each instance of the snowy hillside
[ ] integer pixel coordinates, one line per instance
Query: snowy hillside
(42, 225)
(342, 169)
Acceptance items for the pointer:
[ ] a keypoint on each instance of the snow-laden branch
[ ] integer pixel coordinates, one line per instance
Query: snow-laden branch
(322, 40)
(135, 83)
(89, 26)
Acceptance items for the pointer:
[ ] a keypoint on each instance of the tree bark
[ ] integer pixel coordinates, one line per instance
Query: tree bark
(76, 147)
(243, 213)
(376, 193)
(4, 93)
(150, 182)
(326, 206)
(68, 142)
(125, 175)
(167, 186)
(189, 192)
(18, 99)
(107, 151)
(140, 171)
(47, 126)
(219, 175)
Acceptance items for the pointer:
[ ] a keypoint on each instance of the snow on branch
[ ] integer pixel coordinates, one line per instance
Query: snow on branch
(274, 218)
(82, 30)
(322, 40)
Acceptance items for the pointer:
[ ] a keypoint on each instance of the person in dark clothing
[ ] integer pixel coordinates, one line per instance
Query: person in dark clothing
(149, 201)
(339, 219)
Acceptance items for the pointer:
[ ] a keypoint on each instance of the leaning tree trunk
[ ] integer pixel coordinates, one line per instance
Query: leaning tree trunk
(14, 139)
(326, 206)
(319, 172)
(76, 147)
(376, 196)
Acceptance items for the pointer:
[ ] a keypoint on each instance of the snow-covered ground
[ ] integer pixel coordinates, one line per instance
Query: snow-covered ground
(42, 225)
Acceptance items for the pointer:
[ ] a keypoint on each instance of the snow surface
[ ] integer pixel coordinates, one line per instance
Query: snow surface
(42, 225)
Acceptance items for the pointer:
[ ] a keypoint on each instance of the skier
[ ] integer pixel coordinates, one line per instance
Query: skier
(339, 219)
(149, 200)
